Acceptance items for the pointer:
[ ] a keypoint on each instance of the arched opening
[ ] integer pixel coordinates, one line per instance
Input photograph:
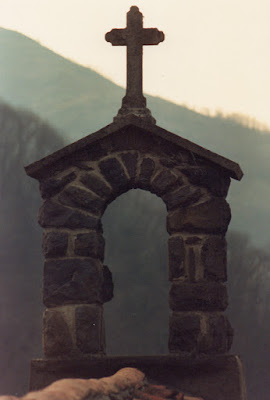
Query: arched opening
(136, 319)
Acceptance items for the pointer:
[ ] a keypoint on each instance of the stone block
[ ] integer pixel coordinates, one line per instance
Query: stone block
(114, 173)
(184, 332)
(214, 180)
(163, 181)
(77, 197)
(182, 196)
(92, 152)
(191, 264)
(175, 221)
(212, 216)
(57, 338)
(193, 240)
(146, 172)
(72, 280)
(185, 157)
(218, 336)
(107, 285)
(55, 244)
(222, 333)
(168, 162)
(214, 258)
(176, 257)
(199, 296)
(54, 215)
(84, 165)
(94, 182)
(89, 330)
(90, 244)
(130, 160)
(168, 150)
(52, 186)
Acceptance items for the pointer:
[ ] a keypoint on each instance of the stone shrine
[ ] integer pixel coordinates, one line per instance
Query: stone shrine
(76, 184)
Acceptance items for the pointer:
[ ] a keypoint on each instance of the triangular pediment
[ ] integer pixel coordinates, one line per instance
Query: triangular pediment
(39, 168)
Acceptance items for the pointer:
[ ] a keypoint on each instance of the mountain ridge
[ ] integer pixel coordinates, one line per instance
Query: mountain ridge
(77, 101)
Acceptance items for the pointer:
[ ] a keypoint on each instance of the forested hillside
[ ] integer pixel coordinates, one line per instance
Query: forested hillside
(23, 137)
(78, 101)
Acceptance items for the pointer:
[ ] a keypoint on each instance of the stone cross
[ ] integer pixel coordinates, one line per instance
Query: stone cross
(134, 36)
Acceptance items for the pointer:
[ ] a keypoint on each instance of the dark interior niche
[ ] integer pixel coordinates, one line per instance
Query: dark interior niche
(136, 319)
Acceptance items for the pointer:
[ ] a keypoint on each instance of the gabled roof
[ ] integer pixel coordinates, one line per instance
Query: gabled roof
(35, 169)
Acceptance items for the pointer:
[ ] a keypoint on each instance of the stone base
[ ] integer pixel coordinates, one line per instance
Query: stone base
(211, 377)
(144, 113)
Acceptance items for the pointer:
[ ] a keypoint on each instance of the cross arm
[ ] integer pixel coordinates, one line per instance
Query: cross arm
(117, 37)
(152, 36)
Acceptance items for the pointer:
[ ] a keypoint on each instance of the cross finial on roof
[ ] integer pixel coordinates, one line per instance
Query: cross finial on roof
(134, 36)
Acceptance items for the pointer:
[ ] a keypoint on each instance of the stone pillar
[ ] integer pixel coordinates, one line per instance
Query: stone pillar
(73, 278)
(73, 330)
(197, 269)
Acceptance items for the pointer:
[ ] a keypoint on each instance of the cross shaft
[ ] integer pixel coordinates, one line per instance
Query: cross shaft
(134, 36)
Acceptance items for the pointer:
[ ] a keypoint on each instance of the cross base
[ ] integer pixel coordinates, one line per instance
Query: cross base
(141, 112)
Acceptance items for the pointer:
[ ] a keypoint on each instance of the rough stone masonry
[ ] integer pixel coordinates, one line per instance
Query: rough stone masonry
(77, 183)
(77, 189)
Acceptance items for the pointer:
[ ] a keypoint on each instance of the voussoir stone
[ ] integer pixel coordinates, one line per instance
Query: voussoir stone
(52, 186)
(95, 183)
(212, 216)
(176, 257)
(184, 332)
(130, 160)
(200, 296)
(57, 339)
(214, 258)
(72, 280)
(90, 244)
(114, 173)
(217, 182)
(89, 330)
(55, 244)
(182, 196)
(163, 181)
(56, 215)
(75, 196)
(147, 169)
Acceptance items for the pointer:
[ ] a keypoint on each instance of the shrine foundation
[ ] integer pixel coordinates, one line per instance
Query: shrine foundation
(210, 377)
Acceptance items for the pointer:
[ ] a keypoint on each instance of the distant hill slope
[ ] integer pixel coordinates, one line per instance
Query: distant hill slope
(75, 99)
(78, 101)
(23, 137)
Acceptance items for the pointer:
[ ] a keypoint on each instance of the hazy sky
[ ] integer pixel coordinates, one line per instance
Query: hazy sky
(216, 53)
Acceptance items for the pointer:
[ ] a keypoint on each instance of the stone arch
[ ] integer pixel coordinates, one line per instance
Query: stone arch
(75, 197)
